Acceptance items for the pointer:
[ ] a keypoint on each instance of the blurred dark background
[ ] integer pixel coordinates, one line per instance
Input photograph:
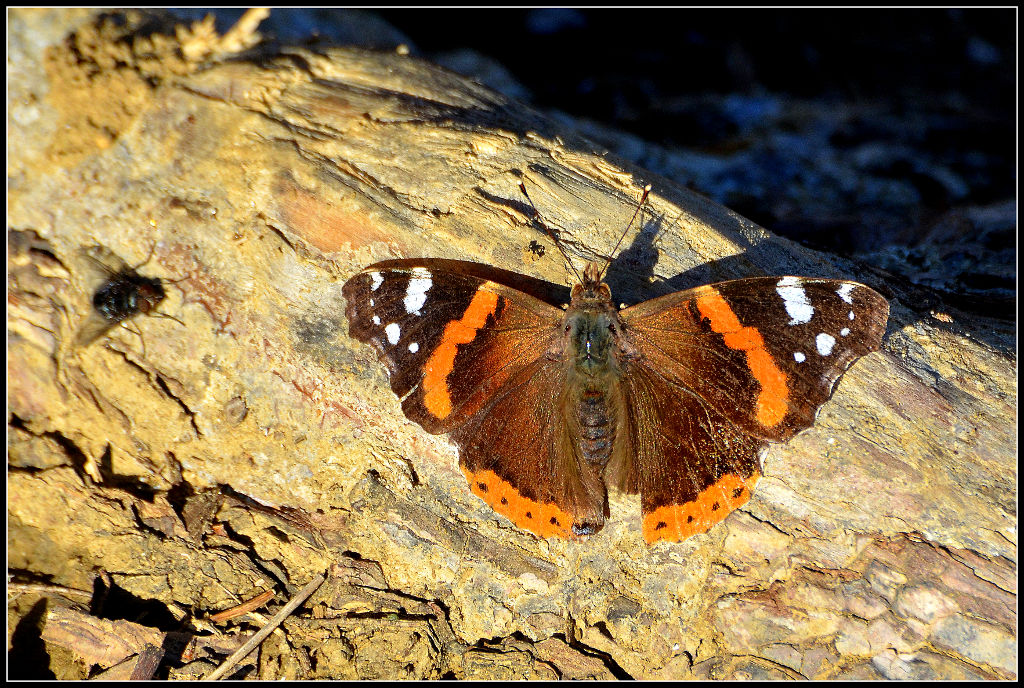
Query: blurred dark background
(886, 135)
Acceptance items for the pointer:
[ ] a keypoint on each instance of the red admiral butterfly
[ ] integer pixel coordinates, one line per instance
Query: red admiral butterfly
(673, 398)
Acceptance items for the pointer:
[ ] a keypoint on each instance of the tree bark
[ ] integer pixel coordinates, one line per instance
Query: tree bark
(249, 442)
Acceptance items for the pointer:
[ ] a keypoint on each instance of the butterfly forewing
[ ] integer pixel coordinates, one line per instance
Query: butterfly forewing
(425, 322)
(764, 352)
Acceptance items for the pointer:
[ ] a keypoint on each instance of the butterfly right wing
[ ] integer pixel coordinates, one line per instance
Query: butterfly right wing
(721, 369)
(691, 465)
(519, 456)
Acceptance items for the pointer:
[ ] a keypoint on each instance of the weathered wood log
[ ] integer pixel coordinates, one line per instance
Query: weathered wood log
(881, 540)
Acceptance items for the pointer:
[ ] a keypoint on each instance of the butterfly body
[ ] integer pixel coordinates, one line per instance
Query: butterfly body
(674, 398)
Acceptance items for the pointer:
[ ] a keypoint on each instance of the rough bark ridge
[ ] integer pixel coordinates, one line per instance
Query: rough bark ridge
(195, 464)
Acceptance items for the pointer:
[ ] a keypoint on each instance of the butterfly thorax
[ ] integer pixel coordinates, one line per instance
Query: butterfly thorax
(593, 332)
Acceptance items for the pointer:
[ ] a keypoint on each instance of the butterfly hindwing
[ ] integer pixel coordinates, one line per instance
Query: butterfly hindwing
(691, 466)
(519, 456)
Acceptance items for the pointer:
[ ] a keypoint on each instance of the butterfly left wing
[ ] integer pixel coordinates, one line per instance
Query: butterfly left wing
(766, 352)
(472, 357)
(519, 456)
(729, 366)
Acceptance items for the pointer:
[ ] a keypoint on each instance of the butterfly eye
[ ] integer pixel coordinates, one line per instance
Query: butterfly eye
(611, 327)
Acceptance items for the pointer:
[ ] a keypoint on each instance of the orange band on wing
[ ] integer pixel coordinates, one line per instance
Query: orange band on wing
(676, 522)
(435, 379)
(546, 520)
(771, 402)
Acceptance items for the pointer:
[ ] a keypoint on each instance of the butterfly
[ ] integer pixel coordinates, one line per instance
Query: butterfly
(674, 398)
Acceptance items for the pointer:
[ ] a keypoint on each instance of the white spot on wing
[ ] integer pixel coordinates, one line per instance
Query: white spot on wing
(414, 347)
(845, 331)
(845, 290)
(799, 357)
(795, 299)
(378, 279)
(416, 292)
(393, 332)
(376, 320)
(825, 342)
(850, 315)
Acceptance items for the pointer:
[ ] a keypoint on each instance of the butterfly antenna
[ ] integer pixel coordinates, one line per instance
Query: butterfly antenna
(549, 232)
(639, 206)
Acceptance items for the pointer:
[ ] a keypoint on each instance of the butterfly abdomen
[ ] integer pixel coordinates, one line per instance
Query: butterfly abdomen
(597, 427)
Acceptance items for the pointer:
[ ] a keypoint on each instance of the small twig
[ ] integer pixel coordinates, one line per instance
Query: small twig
(244, 608)
(147, 662)
(241, 652)
(55, 589)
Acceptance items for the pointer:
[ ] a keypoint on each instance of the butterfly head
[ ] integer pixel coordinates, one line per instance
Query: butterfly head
(590, 288)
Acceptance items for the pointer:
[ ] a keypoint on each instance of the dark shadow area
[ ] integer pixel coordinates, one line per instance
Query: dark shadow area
(27, 658)
(881, 135)
(110, 601)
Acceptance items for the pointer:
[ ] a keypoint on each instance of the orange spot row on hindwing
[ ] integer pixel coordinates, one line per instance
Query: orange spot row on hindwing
(771, 402)
(436, 396)
(546, 520)
(676, 522)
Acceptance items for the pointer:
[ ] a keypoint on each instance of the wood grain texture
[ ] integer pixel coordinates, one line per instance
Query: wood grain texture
(262, 185)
